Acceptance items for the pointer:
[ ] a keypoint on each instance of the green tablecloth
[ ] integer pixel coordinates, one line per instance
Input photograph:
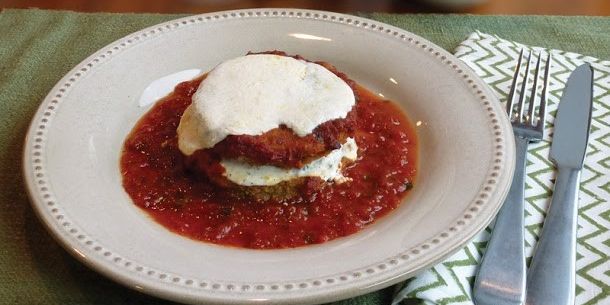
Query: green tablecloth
(38, 47)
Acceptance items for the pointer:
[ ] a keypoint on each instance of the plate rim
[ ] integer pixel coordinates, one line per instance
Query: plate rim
(182, 290)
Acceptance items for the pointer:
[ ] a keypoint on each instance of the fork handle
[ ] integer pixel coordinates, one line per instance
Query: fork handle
(501, 276)
(552, 273)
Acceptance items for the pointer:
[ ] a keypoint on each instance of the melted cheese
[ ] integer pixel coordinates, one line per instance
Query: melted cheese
(253, 94)
(328, 168)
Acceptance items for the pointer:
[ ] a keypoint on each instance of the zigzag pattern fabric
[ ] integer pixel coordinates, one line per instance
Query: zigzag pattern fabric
(494, 60)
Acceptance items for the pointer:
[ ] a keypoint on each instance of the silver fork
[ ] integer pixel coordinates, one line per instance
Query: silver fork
(501, 276)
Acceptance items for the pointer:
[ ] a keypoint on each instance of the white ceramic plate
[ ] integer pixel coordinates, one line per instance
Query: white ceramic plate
(73, 146)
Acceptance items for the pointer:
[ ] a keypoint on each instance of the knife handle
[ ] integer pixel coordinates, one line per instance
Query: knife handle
(552, 274)
(501, 276)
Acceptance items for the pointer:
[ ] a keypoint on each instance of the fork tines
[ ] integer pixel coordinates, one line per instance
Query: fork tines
(516, 115)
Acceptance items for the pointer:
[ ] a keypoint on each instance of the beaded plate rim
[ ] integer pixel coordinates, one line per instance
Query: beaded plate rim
(193, 290)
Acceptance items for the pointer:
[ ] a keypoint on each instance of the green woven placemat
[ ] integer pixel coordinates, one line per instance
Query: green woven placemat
(38, 47)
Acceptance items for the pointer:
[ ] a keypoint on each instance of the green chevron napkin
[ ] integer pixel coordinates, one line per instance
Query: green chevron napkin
(494, 60)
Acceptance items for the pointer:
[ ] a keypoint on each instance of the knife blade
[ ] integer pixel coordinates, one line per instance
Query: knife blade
(552, 274)
(573, 120)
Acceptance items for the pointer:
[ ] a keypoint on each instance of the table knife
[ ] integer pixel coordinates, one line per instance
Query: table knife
(551, 276)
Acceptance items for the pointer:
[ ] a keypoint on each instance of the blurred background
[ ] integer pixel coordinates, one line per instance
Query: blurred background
(545, 7)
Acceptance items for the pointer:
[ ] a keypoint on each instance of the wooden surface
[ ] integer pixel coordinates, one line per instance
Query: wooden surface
(545, 7)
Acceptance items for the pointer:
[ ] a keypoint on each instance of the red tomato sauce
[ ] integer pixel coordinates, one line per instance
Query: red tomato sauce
(155, 178)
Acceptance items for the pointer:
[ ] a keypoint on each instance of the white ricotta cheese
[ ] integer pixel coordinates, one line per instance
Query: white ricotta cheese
(327, 168)
(253, 94)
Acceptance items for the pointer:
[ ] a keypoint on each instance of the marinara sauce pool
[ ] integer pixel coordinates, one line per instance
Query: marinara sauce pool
(155, 178)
